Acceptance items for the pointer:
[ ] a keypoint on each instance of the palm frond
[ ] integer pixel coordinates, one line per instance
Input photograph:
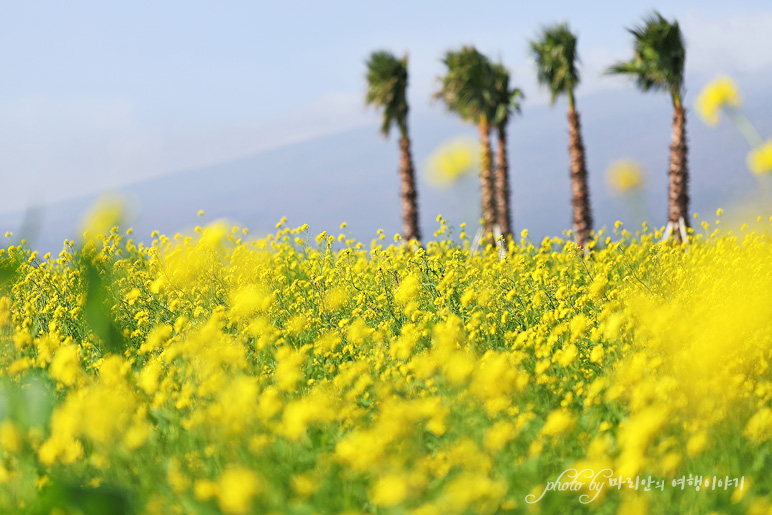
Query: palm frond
(386, 88)
(554, 51)
(466, 88)
(506, 101)
(658, 56)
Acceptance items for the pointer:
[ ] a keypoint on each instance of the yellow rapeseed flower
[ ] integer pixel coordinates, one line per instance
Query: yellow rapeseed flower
(214, 234)
(288, 371)
(236, 488)
(148, 377)
(419, 398)
(5, 311)
(335, 298)
(390, 490)
(297, 324)
(204, 489)
(452, 160)
(104, 215)
(10, 437)
(499, 434)
(760, 158)
(408, 289)
(721, 92)
(759, 427)
(624, 176)
(250, 299)
(65, 366)
(304, 485)
(559, 422)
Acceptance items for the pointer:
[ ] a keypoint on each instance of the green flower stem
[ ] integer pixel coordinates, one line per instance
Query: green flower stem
(746, 127)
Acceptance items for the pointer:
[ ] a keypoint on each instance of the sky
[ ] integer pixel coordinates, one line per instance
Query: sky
(96, 95)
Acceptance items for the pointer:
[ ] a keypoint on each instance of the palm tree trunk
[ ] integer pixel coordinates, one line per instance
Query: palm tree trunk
(580, 194)
(678, 194)
(502, 185)
(410, 230)
(486, 181)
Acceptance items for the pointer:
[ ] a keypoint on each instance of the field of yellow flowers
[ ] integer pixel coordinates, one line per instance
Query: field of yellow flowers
(214, 373)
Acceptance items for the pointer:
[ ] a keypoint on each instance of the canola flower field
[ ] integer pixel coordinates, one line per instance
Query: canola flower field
(214, 373)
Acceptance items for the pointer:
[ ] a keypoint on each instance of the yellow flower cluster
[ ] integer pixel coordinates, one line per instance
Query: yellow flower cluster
(760, 158)
(208, 373)
(624, 176)
(452, 160)
(715, 96)
(722, 93)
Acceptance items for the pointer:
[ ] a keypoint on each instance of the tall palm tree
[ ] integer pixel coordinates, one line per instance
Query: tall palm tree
(506, 102)
(386, 86)
(467, 90)
(555, 53)
(658, 64)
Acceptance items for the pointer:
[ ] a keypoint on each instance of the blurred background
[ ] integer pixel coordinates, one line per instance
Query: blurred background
(253, 111)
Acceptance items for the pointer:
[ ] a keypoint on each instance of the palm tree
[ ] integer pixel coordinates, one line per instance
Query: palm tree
(658, 64)
(467, 90)
(507, 102)
(386, 85)
(555, 54)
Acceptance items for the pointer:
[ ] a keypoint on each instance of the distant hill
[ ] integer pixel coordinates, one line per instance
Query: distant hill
(352, 176)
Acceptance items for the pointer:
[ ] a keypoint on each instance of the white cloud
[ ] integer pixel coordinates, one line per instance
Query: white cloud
(730, 44)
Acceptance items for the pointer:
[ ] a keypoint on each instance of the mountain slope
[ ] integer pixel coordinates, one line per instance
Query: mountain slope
(352, 176)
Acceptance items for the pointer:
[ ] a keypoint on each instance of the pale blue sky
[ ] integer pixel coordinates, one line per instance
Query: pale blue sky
(98, 94)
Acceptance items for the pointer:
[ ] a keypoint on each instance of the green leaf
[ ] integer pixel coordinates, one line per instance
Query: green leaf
(66, 496)
(97, 309)
(28, 403)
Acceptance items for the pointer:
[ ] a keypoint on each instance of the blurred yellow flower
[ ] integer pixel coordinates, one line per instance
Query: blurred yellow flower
(452, 160)
(250, 299)
(390, 490)
(204, 489)
(334, 299)
(288, 368)
(717, 94)
(759, 427)
(559, 422)
(103, 216)
(304, 485)
(760, 158)
(236, 488)
(499, 434)
(408, 289)
(149, 376)
(624, 176)
(65, 366)
(214, 234)
(10, 437)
